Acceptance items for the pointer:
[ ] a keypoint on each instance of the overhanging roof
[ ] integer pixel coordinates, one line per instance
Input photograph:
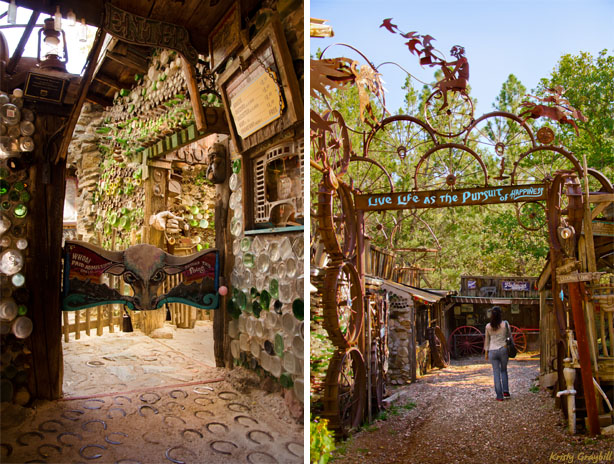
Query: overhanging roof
(494, 301)
(408, 291)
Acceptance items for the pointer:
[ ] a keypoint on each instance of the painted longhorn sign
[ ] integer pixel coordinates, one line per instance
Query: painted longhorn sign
(145, 268)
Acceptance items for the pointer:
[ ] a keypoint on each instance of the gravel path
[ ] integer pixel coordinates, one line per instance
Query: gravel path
(457, 420)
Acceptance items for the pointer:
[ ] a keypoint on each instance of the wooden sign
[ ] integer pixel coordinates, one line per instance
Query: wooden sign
(578, 277)
(445, 198)
(515, 286)
(225, 38)
(568, 267)
(138, 30)
(259, 106)
(44, 87)
(145, 268)
(256, 105)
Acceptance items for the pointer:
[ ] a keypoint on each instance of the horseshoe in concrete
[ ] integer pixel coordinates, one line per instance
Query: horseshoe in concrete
(110, 415)
(237, 407)
(47, 445)
(93, 400)
(227, 395)
(172, 393)
(172, 417)
(300, 446)
(150, 402)
(148, 440)
(112, 442)
(251, 432)
(251, 456)
(238, 420)
(63, 434)
(208, 426)
(177, 461)
(34, 434)
(121, 396)
(174, 403)
(148, 407)
(203, 401)
(211, 445)
(74, 411)
(104, 425)
(202, 387)
(95, 456)
(9, 449)
(127, 461)
(43, 428)
(203, 411)
(193, 431)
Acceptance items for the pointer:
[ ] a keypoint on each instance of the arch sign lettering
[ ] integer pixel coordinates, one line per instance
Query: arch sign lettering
(445, 198)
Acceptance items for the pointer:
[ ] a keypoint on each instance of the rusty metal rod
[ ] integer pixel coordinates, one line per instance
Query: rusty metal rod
(585, 359)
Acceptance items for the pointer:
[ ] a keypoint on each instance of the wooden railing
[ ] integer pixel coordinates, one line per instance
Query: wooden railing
(379, 262)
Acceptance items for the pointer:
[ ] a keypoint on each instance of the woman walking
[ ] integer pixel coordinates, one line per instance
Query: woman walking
(496, 350)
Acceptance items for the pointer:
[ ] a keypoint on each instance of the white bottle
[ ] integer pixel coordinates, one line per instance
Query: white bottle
(8, 309)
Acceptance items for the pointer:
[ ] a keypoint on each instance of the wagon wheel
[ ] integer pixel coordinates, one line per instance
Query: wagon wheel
(500, 136)
(342, 302)
(598, 182)
(450, 166)
(531, 215)
(333, 146)
(399, 136)
(443, 346)
(466, 340)
(540, 163)
(520, 338)
(452, 120)
(337, 220)
(345, 391)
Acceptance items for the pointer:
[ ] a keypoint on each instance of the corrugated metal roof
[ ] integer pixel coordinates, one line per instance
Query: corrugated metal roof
(494, 301)
(409, 292)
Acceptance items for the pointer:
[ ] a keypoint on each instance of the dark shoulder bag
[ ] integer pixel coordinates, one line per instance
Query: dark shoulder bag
(509, 341)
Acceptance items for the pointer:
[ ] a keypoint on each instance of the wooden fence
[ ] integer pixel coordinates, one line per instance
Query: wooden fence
(94, 320)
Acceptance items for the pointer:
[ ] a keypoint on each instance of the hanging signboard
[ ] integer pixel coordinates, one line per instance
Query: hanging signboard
(138, 30)
(444, 198)
(145, 268)
(515, 286)
(577, 277)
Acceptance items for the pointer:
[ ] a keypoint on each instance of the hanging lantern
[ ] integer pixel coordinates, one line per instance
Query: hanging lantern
(54, 55)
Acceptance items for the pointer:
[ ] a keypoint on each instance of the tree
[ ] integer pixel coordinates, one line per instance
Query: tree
(589, 87)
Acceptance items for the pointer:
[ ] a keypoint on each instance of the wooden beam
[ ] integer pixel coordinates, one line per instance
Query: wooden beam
(600, 197)
(600, 208)
(95, 98)
(82, 93)
(197, 106)
(106, 80)
(604, 229)
(22, 43)
(418, 250)
(132, 61)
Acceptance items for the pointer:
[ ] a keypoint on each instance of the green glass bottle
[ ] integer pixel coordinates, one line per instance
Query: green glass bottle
(20, 210)
(4, 186)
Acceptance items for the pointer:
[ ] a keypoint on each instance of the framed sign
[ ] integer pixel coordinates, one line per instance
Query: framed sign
(260, 90)
(225, 38)
(466, 308)
(45, 88)
(515, 286)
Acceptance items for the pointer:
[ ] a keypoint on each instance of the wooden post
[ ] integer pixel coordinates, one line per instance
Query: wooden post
(10, 67)
(99, 324)
(197, 106)
(88, 321)
(585, 360)
(223, 242)
(77, 324)
(155, 201)
(43, 270)
(65, 327)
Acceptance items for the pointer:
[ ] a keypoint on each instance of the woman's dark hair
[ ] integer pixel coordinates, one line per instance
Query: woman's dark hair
(495, 317)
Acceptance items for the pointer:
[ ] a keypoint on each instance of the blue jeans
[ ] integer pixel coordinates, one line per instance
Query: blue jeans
(498, 359)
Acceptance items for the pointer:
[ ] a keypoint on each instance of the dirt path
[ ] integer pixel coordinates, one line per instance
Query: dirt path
(457, 420)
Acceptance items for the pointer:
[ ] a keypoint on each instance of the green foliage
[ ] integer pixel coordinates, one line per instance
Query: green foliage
(589, 87)
(409, 405)
(322, 441)
(534, 388)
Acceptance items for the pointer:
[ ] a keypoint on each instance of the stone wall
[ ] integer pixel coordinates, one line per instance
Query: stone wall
(85, 159)
(399, 333)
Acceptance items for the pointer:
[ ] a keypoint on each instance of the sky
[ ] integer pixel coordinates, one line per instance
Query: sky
(501, 37)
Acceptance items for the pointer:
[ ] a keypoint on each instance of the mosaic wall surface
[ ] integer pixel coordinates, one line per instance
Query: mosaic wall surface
(399, 332)
(17, 125)
(267, 327)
